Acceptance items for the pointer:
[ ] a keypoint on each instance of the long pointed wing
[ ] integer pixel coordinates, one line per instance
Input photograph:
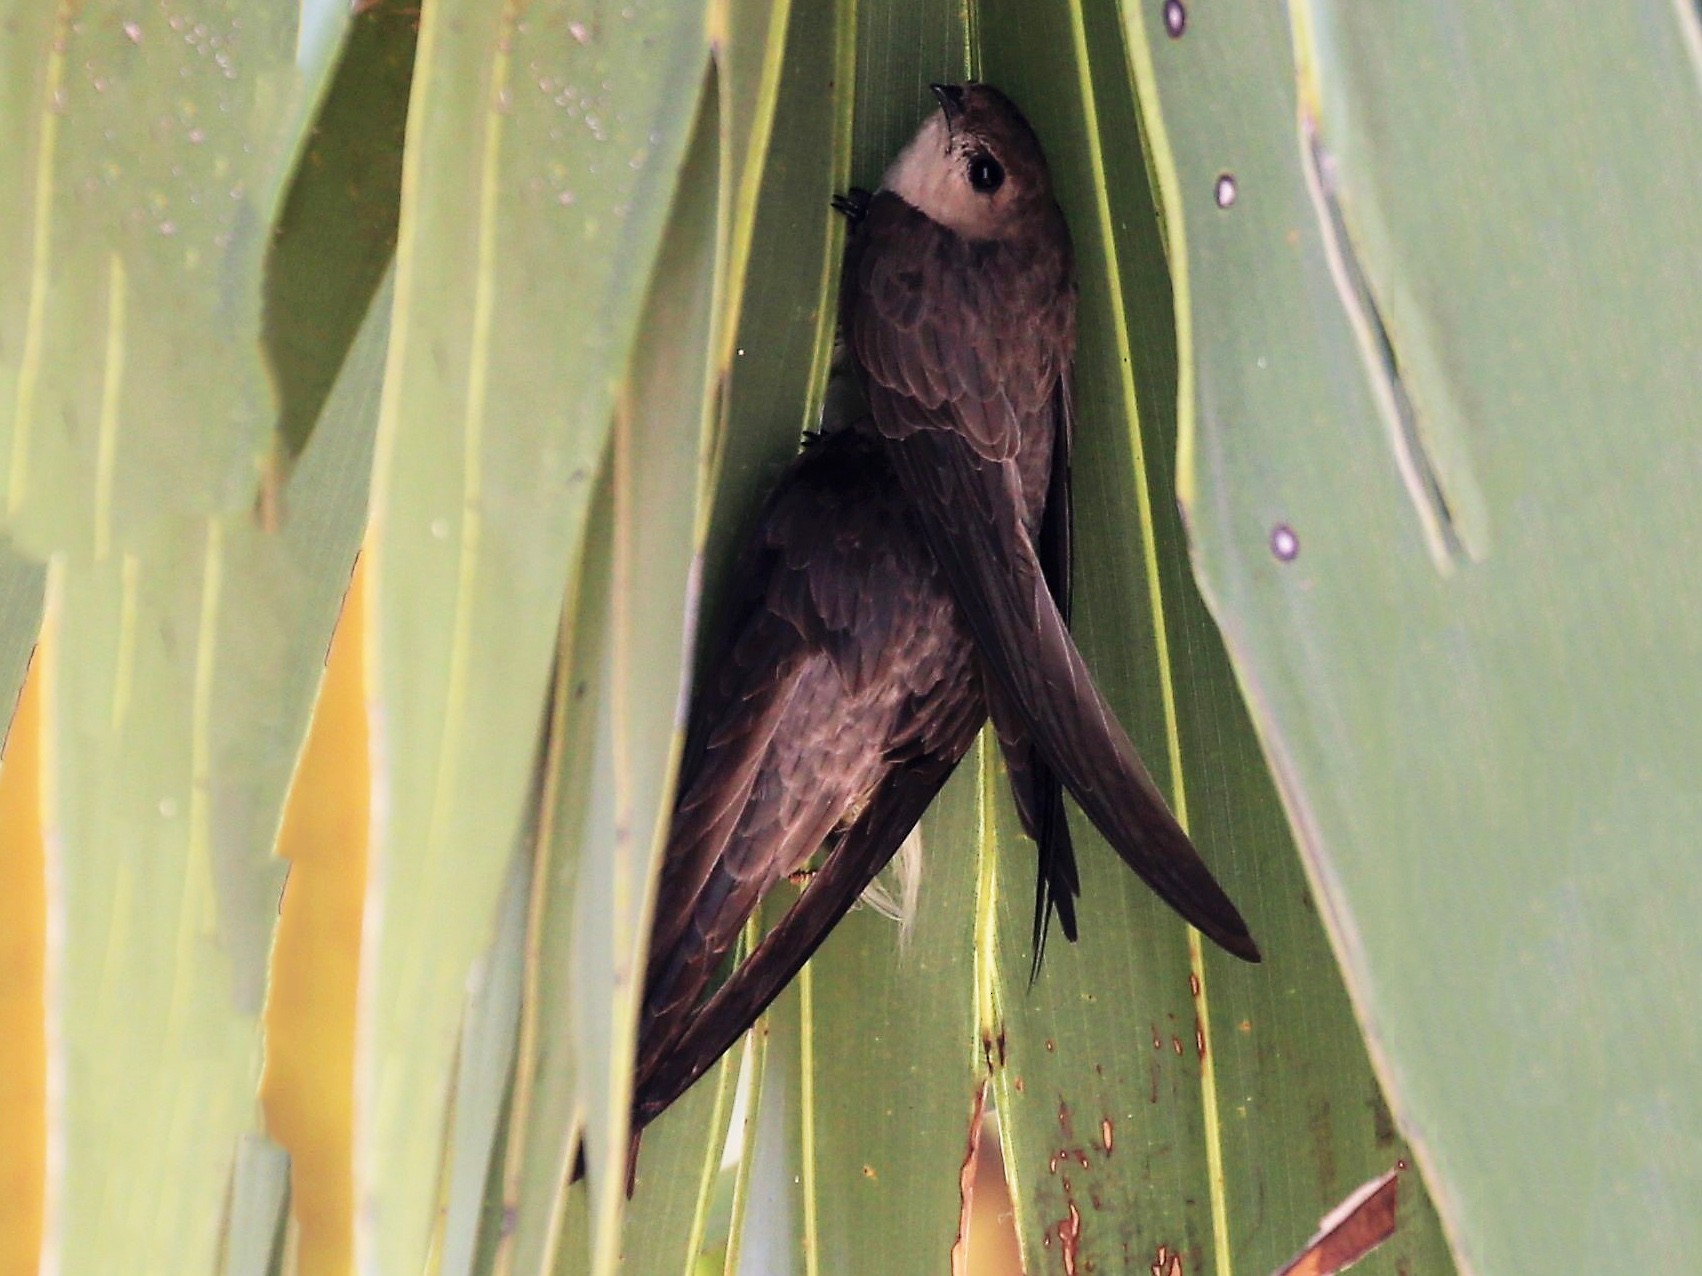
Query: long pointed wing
(775, 733)
(963, 502)
(703, 896)
(861, 853)
(1039, 794)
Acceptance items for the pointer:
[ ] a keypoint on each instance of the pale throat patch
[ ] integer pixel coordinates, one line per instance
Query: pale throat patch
(929, 176)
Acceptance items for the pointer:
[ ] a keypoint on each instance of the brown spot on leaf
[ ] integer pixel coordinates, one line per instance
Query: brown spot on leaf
(1322, 1130)
(966, 1184)
(1382, 1121)
(1069, 1238)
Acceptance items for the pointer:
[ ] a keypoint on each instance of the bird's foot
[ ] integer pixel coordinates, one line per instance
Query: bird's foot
(854, 204)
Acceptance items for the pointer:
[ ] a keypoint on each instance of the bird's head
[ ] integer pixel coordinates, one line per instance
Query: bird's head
(974, 165)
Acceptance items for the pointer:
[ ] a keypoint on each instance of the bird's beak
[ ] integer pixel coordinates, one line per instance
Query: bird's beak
(951, 101)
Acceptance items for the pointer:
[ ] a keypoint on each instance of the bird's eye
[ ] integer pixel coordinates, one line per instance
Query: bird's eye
(986, 174)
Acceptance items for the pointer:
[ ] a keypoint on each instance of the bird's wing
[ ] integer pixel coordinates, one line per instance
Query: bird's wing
(1057, 530)
(709, 885)
(848, 668)
(859, 854)
(964, 505)
(791, 626)
(1035, 786)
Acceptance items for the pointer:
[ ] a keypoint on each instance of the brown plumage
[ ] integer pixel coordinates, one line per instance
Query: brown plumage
(847, 689)
(909, 572)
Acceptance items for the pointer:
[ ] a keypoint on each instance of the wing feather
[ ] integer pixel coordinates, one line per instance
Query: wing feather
(862, 852)
(1028, 653)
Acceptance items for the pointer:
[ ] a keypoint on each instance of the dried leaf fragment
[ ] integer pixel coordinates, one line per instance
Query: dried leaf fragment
(1352, 1230)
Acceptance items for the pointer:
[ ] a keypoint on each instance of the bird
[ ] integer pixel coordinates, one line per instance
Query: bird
(906, 580)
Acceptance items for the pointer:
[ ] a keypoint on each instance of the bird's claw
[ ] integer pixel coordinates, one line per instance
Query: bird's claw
(853, 204)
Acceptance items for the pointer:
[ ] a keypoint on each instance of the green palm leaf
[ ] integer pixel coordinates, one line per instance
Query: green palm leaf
(537, 299)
